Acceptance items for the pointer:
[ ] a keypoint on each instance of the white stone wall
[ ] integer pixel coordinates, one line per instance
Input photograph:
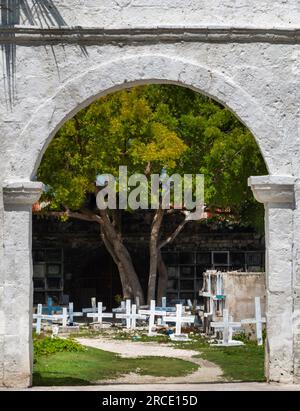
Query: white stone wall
(153, 13)
(244, 54)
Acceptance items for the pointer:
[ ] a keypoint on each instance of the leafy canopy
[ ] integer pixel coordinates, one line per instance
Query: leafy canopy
(163, 127)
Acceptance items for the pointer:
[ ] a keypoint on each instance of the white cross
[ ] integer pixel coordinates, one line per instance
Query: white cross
(131, 316)
(40, 317)
(152, 313)
(163, 305)
(93, 309)
(72, 314)
(127, 314)
(121, 309)
(179, 319)
(227, 326)
(98, 317)
(258, 321)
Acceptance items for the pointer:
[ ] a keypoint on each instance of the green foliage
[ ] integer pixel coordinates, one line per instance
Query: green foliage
(48, 346)
(165, 127)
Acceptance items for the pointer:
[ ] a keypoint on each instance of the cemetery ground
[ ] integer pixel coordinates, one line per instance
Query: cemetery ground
(131, 357)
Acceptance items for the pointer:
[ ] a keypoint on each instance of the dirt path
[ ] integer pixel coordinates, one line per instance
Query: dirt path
(207, 371)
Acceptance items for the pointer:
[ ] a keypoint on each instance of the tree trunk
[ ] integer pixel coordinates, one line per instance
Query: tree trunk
(126, 287)
(153, 249)
(162, 278)
(113, 240)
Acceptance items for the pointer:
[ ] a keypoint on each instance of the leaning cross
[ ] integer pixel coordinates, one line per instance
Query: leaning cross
(152, 313)
(98, 317)
(227, 326)
(258, 321)
(179, 319)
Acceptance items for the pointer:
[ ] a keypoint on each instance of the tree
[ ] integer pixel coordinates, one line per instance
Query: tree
(149, 129)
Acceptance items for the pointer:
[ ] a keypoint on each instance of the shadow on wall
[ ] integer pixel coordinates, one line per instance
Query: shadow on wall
(41, 13)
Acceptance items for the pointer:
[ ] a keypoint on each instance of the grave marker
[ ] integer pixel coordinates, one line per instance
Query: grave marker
(227, 326)
(131, 316)
(98, 317)
(258, 321)
(38, 317)
(73, 314)
(93, 308)
(179, 319)
(152, 313)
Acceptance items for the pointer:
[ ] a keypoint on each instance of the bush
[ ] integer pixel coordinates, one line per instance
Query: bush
(48, 345)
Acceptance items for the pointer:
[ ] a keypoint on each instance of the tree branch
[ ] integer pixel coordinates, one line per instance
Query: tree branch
(199, 213)
(73, 214)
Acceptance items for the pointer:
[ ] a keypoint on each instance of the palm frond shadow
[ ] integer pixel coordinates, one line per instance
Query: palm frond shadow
(40, 13)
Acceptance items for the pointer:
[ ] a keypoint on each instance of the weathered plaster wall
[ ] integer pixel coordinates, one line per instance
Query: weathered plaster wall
(137, 13)
(60, 79)
(241, 289)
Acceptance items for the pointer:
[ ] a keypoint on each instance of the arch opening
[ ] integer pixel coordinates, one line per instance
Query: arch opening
(217, 255)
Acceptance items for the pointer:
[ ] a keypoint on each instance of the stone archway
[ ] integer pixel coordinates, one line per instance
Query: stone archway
(20, 192)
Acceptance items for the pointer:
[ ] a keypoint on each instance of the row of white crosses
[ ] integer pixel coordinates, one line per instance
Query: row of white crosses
(130, 315)
(68, 315)
(228, 326)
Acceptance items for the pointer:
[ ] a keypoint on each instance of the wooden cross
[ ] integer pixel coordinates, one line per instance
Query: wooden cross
(72, 314)
(93, 309)
(50, 307)
(131, 316)
(98, 317)
(179, 319)
(258, 321)
(40, 317)
(121, 309)
(227, 326)
(127, 314)
(152, 313)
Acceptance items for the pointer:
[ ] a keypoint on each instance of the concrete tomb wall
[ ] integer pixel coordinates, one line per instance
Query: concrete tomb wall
(59, 58)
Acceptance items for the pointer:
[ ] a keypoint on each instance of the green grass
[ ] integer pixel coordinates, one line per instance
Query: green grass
(244, 363)
(92, 365)
(63, 362)
(238, 363)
